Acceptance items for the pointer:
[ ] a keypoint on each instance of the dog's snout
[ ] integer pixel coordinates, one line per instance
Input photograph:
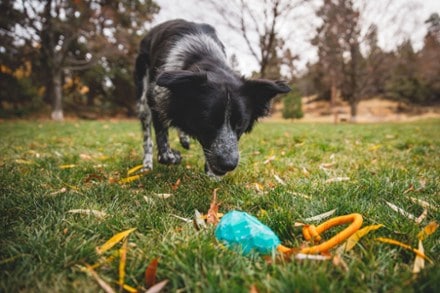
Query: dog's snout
(227, 163)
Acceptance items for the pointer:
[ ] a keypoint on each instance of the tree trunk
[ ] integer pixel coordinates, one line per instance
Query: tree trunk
(354, 110)
(57, 96)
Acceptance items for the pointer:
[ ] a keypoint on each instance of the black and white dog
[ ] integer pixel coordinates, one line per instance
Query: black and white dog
(183, 81)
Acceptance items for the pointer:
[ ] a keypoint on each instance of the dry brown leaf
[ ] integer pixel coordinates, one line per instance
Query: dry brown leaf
(151, 272)
(339, 262)
(253, 289)
(270, 159)
(337, 179)
(176, 185)
(401, 211)
(62, 190)
(199, 221)
(212, 216)
(104, 286)
(158, 287)
(301, 256)
(320, 216)
(422, 203)
(419, 262)
(279, 180)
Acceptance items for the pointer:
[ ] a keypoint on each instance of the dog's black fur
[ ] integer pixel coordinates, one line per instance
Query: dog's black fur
(183, 81)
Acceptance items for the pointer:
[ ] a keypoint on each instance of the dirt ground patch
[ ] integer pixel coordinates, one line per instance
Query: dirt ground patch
(369, 111)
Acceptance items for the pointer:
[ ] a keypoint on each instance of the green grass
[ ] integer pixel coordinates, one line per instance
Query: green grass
(42, 245)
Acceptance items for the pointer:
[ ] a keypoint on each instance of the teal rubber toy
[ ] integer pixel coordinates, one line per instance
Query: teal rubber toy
(239, 229)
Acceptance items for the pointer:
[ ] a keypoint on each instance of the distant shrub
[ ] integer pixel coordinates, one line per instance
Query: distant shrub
(292, 105)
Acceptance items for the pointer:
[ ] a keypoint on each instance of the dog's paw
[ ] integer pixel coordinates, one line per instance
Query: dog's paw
(170, 157)
(184, 140)
(147, 163)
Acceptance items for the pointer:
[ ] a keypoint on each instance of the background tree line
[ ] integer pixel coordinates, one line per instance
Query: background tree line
(77, 56)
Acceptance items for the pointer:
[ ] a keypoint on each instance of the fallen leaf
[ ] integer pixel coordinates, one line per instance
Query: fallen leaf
(419, 262)
(422, 203)
(301, 256)
(93, 177)
(212, 216)
(122, 263)
(85, 157)
(305, 171)
(134, 169)
(422, 216)
(270, 159)
(403, 245)
(339, 262)
(337, 179)
(401, 211)
(321, 216)
(253, 289)
(428, 230)
(149, 200)
(129, 179)
(68, 166)
(354, 239)
(104, 286)
(164, 195)
(301, 195)
(279, 180)
(62, 190)
(24, 162)
(151, 272)
(114, 240)
(89, 212)
(176, 185)
(326, 165)
(199, 222)
(129, 289)
(182, 218)
(158, 287)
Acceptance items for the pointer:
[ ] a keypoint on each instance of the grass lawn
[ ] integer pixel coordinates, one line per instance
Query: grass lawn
(48, 169)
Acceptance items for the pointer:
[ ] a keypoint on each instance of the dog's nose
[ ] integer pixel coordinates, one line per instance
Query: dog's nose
(228, 164)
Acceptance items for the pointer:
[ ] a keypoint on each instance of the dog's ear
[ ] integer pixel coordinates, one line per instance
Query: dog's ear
(260, 92)
(178, 79)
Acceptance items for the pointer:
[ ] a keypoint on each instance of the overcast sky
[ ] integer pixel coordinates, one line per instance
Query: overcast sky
(399, 20)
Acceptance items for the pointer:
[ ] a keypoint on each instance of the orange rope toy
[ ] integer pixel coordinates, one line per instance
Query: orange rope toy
(310, 232)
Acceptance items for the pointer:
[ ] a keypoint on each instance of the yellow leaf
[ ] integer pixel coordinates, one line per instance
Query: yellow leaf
(122, 262)
(135, 169)
(129, 179)
(353, 239)
(428, 230)
(129, 289)
(419, 262)
(403, 245)
(113, 241)
(68, 166)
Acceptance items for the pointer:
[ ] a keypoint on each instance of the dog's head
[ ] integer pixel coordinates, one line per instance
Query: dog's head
(217, 109)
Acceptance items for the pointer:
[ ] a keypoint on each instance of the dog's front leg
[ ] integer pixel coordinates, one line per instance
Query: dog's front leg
(166, 155)
(145, 117)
